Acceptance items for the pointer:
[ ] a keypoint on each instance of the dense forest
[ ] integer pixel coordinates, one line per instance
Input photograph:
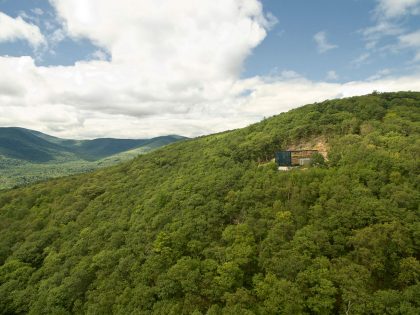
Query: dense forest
(210, 226)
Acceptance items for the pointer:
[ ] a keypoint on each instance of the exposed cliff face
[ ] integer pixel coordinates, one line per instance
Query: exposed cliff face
(317, 143)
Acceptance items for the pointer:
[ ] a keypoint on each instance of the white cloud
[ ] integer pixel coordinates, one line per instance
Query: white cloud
(391, 9)
(322, 43)
(86, 101)
(270, 97)
(411, 39)
(185, 47)
(276, 74)
(361, 59)
(56, 36)
(332, 75)
(380, 74)
(99, 55)
(173, 67)
(12, 29)
(374, 34)
(167, 58)
(390, 17)
(38, 11)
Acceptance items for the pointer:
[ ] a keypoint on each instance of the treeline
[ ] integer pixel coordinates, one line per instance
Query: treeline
(201, 227)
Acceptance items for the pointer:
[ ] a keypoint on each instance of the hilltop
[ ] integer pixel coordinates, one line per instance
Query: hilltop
(210, 226)
(28, 156)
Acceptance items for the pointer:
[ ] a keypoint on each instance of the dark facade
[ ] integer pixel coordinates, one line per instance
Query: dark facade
(284, 158)
(294, 158)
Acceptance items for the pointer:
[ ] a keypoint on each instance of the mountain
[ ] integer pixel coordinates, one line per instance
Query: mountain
(27, 156)
(24, 144)
(211, 226)
(104, 147)
(34, 146)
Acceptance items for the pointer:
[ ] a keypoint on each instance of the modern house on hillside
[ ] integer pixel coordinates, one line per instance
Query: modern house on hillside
(294, 158)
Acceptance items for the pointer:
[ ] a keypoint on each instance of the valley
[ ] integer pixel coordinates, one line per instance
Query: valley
(28, 156)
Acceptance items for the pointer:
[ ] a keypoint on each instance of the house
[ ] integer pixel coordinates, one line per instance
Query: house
(294, 158)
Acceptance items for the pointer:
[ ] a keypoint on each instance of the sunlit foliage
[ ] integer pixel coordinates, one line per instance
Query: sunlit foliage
(204, 227)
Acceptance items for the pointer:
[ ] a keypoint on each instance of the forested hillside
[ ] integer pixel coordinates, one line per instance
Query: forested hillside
(210, 226)
(28, 156)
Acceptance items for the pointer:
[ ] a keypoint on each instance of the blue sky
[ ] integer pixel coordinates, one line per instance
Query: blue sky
(65, 52)
(188, 63)
(289, 45)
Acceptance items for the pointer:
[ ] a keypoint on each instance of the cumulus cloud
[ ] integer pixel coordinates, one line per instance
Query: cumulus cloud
(163, 58)
(270, 97)
(322, 43)
(12, 29)
(99, 55)
(171, 36)
(164, 50)
(164, 67)
(49, 101)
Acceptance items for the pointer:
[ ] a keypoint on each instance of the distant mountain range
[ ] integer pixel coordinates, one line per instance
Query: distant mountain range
(35, 146)
(28, 155)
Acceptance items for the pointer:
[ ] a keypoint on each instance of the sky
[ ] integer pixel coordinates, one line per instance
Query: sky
(140, 68)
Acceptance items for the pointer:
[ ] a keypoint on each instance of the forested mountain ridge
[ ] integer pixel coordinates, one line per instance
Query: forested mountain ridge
(34, 146)
(27, 156)
(203, 227)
